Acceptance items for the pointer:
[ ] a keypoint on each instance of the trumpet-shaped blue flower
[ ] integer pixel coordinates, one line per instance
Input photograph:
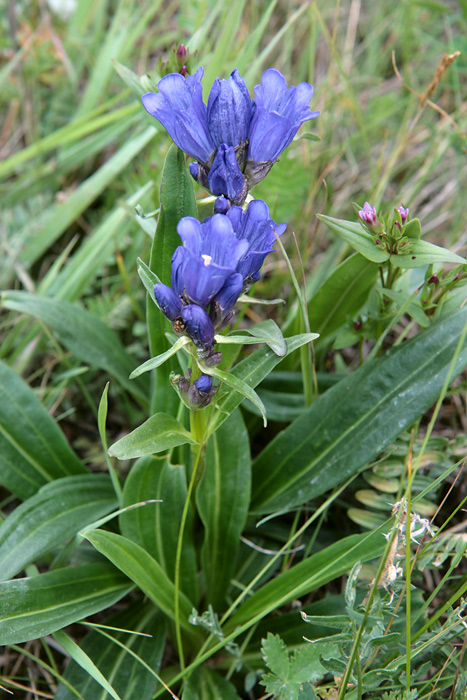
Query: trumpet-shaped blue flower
(235, 139)
(255, 226)
(279, 113)
(218, 260)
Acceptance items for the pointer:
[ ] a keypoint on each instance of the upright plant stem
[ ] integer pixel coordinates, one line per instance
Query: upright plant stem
(178, 556)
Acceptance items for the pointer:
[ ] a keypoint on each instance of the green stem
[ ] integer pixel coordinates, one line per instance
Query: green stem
(178, 557)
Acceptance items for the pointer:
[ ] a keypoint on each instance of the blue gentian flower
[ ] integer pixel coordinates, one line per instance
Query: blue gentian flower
(279, 113)
(209, 257)
(219, 259)
(256, 226)
(234, 139)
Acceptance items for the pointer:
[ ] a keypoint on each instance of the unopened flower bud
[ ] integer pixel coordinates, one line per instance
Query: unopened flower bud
(221, 205)
(181, 51)
(198, 326)
(214, 359)
(368, 214)
(404, 212)
(168, 302)
(434, 279)
(204, 383)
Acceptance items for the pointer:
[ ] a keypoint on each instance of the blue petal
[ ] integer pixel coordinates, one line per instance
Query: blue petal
(221, 243)
(229, 110)
(225, 176)
(179, 259)
(228, 295)
(279, 113)
(270, 134)
(190, 231)
(259, 230)
(168, 302)
(198, 326)
(180, 109)
(202, 280)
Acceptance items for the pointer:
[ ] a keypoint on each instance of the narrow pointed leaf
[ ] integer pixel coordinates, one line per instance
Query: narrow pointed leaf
(238, 385)
(424, 253)
(308, 575)
(357, 418)
(33, 449)
(223, 498)
(88, 338)
(159, 433)
(341, 296)
(359, 239)
(116, 662)
(253, 369)
(55, 513)
(143, 570)
(160, 359)
(148, 278)
(81, 658)
(156, 526)
(37, 606)
(270, 330)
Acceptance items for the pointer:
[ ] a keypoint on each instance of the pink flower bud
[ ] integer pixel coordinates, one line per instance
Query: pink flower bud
(368, 214)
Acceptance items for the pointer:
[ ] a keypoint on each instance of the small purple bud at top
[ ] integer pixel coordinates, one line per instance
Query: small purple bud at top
(181, 51)
(221, 205)
(368, 214)
(404, 212)
(198, 326)
(357, 325)
(204, 383)
(168, 302)
(434, 279)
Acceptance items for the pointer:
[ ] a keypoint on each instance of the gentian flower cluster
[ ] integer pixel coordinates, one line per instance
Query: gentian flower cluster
(220, 258)
(234, 139)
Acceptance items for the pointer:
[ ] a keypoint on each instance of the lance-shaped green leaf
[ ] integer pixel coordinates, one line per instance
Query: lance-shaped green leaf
(247, 299)
(423, 253)
(148, 278)
(308, 575)
(159, 433)
(223, 498)
(238, 385)
(55, 513)
(160, 359)
(253, 369)
(357, 418)
(156, 526)
(88, 338)
(139, 630)
(144, 571)
(33, 449)
(271, 331)
(176, 201)
(341, 296)
(359, 239)
(37, 606)
(82, 659)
